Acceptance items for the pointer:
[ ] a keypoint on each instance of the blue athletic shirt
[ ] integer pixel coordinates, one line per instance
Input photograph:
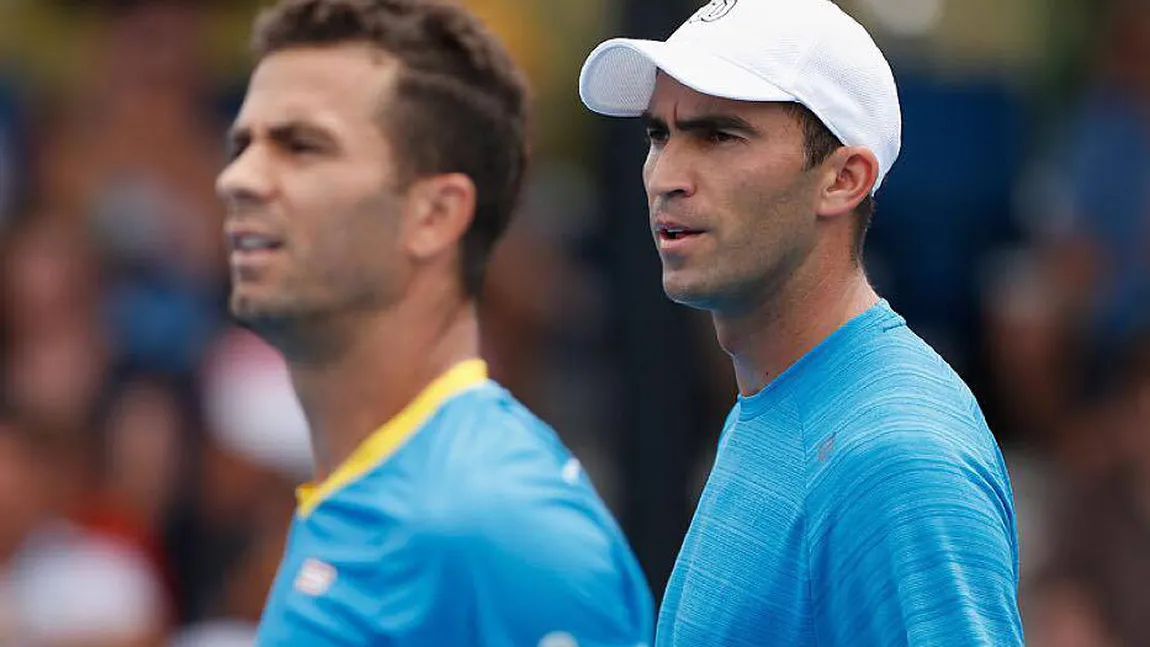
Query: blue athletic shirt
(461, 521)
(858, 500)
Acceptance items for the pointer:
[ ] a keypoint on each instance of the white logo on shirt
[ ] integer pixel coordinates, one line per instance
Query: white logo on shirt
(315, 577)
(558, 639)
(571, 472)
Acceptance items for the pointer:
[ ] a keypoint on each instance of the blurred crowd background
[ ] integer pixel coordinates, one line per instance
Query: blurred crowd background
(149, 449)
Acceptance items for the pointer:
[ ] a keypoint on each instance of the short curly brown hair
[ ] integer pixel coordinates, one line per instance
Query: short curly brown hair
(460, 103)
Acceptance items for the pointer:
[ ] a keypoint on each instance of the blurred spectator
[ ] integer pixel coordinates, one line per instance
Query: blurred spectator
(252, 409)
(144, 437)
(242, 596)
(1089, 206)
(148, 140)
(134, 150)
(1105, 534)
(1060, 611)
(55, 360)
(1069, 316)
(12, 135)
(61, 585)
(256, 449)
(1107, 233)
(1036, 360)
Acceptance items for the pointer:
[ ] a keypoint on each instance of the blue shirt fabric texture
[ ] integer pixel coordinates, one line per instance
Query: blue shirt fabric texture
(858, 500)
(462, 521)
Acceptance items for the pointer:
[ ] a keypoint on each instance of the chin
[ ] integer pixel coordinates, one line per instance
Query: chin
(687, 293)
(709, 291)
(272, 326)
(251, 310)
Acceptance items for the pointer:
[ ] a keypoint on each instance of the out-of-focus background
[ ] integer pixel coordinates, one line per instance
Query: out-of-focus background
(148, 449)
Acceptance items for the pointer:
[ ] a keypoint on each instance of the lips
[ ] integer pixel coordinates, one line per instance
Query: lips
(669, 230)
(253, 242)
(675, 233)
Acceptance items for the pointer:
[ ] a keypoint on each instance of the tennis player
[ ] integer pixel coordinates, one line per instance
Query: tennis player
(857, 497)
(377, 158)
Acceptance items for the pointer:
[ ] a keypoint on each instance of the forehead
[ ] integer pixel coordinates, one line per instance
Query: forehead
(336, 86)
(672, 100)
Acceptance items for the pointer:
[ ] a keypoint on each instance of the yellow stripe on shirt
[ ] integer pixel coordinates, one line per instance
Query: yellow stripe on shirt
(383, 442)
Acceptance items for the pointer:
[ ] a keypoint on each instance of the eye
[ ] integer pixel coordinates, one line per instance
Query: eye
(235, 148)
(300, 146)
(720, 137)
(656, 135)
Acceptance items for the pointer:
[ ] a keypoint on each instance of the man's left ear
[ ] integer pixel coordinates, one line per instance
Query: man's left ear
(855, 170)
(440, 210)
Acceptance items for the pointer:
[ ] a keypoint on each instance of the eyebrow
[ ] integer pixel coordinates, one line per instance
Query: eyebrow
(705, 123)
(238, 135)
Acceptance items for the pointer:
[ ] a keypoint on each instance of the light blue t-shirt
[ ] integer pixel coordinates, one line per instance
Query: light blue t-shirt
(462, 521)
(858, 500)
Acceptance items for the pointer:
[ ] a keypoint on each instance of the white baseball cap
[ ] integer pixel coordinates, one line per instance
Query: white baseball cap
(804, 51)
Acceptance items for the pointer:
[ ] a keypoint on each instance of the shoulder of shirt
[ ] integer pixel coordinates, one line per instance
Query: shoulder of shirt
(483, 451)
(905, 434)
(894, 392)
(488, 427)
(886, 356)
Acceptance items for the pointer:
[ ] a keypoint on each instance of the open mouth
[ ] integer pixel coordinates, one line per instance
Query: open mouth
(676, 232)
(251, 243)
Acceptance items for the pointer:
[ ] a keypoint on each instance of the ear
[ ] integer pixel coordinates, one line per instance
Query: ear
(851, 172)
(440, 210)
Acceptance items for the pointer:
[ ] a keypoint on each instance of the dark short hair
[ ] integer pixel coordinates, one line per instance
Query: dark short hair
(818, 143)
(460, 103)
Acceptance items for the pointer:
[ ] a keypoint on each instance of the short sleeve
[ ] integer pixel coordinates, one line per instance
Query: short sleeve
(546, 569)
(913, 543)
(531, 565)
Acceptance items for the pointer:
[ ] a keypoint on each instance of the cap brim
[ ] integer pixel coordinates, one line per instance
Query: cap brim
(618, 77)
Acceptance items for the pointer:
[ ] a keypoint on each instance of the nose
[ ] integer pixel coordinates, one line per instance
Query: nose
(667, 174)
(247, 180)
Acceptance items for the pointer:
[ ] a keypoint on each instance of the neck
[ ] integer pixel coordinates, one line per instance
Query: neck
(816, 301)
(383, 360)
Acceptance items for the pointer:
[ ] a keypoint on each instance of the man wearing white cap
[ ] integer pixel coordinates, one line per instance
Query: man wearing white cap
(857, 496)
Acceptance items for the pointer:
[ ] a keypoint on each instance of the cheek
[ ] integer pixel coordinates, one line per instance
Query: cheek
(774, 199)
(339, 214)
(358, 242)
(761, 218)
(346, 245)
